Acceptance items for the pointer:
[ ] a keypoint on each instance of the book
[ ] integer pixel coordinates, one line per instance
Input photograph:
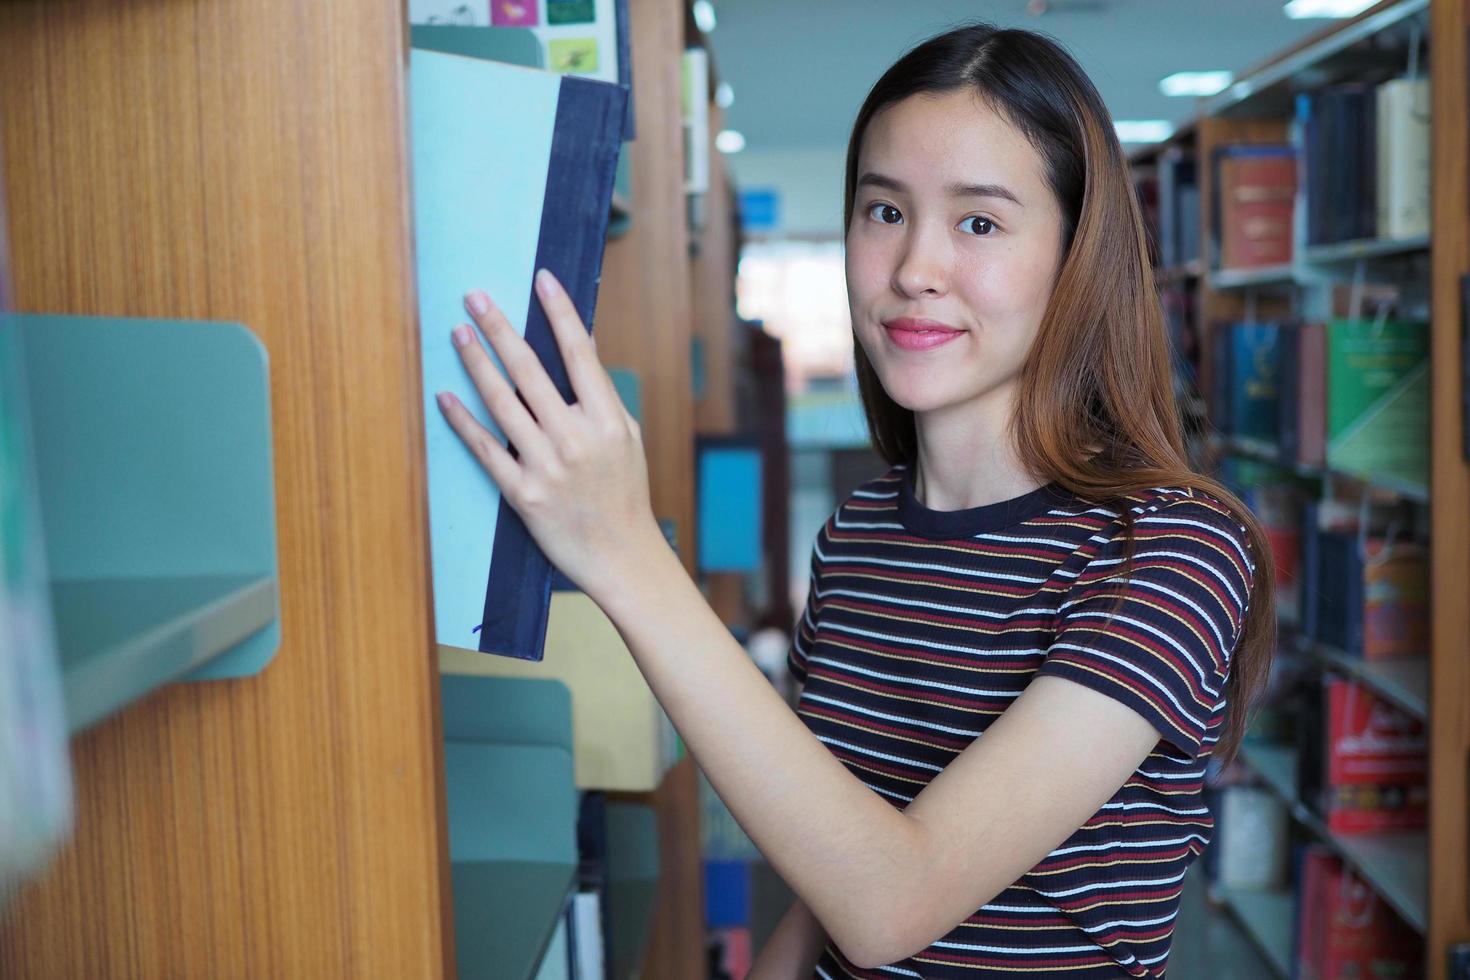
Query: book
(1253, 393)
(1252, 827)
(1337, 128)
(1256, 190)
(512, 171)
(1376, 763)
(1403, 157)
(1378, 398)
(1345, 929)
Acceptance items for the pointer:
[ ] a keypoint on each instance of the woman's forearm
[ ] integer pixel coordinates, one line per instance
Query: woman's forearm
(834, 841)
(793, 949)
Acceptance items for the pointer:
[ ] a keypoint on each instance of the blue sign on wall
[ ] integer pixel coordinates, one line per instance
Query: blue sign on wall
(760, 209)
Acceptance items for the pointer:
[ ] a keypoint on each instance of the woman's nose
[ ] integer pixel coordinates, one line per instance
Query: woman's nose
(923, 268)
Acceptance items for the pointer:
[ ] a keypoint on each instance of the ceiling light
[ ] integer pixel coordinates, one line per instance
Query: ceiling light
(1302, 9)
(729, 141)
(1195, 82)
(704, 15)
(724, 95)
(1143, 130)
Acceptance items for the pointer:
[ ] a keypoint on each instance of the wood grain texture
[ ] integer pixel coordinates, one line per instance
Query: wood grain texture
(644, 315)
(644, 322)
(1449, 697)
(245, 160)
(714, 296)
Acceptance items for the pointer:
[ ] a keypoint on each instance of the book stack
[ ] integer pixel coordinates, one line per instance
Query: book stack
(1366, 160)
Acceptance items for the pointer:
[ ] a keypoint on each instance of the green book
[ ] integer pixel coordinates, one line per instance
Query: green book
(1378, 399)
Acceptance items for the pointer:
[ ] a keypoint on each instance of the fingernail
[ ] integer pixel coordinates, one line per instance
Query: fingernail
(445, 400)
(461, 336)
(477, 301)
(543, 282)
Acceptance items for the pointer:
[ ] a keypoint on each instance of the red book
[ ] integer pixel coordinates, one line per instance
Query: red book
(1377, 763)
(1361, 935)
(1257, 201)
(1317, 860)
(1311, 391)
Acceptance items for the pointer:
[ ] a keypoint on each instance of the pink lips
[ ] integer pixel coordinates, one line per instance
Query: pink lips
(910, 333)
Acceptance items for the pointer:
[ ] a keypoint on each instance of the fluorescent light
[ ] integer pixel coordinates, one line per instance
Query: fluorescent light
(1195, 82)
(729, 141)
(704, 15)
(724, 95)
(1143, 130)
(1302, 9)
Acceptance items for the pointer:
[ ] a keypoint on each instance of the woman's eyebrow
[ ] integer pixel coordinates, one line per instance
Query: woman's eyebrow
(871, 179)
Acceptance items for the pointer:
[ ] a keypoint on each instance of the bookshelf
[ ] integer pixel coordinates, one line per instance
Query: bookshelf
(247, 162)
(1420, 874)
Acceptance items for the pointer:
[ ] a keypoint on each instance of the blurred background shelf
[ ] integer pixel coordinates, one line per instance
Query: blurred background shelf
(1395, 864)
(1402, 680)
(1267, 918)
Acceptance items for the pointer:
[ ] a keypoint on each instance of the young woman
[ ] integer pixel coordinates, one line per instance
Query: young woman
(1039, 564)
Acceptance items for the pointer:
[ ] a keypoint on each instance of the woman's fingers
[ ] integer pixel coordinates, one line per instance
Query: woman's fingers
(590, 381)
(497, 394)
(496, 459)
(521, 363)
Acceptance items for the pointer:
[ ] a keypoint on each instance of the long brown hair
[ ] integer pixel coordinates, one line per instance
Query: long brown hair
(1095, 410)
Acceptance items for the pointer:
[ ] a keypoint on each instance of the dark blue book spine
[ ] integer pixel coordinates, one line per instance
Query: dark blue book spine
(1288, 402)
(585, 144)
(1310, 564)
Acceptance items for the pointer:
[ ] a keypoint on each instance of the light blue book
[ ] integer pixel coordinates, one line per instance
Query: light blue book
(512, 171)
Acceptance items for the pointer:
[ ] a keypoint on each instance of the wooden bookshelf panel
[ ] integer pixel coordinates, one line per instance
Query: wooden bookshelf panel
(244, 161)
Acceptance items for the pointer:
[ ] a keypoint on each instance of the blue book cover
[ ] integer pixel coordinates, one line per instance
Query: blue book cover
(512, 171)
(1254, 374)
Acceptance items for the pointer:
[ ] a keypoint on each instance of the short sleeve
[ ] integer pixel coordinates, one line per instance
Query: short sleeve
(1166, 650)
(806, 627)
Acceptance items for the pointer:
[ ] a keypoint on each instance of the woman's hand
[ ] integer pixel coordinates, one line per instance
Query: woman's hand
(581, 482)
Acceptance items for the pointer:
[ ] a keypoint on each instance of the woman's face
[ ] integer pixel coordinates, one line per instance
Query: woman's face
(952, 252)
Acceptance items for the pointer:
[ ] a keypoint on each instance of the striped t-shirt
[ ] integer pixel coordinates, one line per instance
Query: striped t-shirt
(922, 626)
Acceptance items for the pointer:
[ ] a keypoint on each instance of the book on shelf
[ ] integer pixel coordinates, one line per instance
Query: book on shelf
(513, 171)
(1178, 208)
(1344, 929)
(1372, 605)
(1244, 389)
(1362, 762)
(1302, 401)
(1404, 158)
(1255, 192)
(1378, 398)
(1336, 129)
(1249, 846)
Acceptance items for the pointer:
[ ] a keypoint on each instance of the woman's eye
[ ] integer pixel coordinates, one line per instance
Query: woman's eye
(886, 213)
(974, 225)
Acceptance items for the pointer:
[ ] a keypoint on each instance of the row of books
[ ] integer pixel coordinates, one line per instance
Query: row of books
(1344, 394)
(1358, 162)
(1362, 768)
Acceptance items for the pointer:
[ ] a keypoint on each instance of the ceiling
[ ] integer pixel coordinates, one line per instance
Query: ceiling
(801, 68)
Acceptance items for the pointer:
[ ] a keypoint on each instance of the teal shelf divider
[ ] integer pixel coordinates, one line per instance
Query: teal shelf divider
(512, 819)
(153, 467)
(512, 45)
(632, 885)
